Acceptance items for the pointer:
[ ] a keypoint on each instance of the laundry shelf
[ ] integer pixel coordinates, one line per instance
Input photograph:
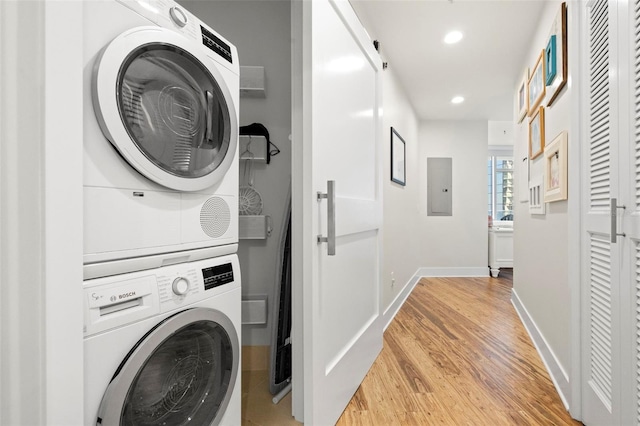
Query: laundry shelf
(253, 227)
(252, 82)
(254, 310)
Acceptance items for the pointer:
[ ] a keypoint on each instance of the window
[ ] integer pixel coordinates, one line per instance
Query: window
(500, 187)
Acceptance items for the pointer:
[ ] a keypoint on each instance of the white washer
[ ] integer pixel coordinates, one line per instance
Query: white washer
(160, 137)
(163, 346)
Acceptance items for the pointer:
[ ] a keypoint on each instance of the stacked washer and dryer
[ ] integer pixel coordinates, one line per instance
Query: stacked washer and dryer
(161, 275)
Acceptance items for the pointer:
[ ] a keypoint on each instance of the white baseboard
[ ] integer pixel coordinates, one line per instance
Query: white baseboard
(391, 311)
(554, 368)
(454, 272)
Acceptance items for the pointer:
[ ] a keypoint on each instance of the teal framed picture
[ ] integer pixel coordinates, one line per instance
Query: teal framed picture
(550, 60)
(558, 79)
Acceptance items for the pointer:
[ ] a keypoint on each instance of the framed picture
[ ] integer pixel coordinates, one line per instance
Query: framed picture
(521, 97)
(536, 134)
(550, 60)
(559, 30)
(555, 169)
(398, 158)
(536, 84)
(536, 201)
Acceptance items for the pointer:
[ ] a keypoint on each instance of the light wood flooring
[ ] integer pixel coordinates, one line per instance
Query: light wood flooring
(455, 354)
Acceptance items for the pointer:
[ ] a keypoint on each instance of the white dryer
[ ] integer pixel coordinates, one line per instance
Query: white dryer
(160, 137)
(162, 346)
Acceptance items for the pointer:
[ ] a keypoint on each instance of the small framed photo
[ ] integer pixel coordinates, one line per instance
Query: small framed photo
(398, 158)
(521, 97)
(536, 196)
(550, 60)
(536, 134)
(536, 84)
(555, 169)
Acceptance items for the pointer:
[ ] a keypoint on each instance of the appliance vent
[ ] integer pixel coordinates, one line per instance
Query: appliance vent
(215, 217)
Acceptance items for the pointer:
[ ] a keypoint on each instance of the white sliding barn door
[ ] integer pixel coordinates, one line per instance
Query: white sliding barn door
(338, 332)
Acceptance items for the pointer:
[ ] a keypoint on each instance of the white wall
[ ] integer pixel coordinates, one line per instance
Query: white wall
(541, 253)
(457, 244)
(400, 209)
(415, 243)
(261, 30)
(500, 133)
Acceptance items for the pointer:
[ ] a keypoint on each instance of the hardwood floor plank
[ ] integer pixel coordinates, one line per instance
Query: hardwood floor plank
(457, 354)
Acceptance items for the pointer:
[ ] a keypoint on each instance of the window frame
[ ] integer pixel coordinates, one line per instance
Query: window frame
(493, 155)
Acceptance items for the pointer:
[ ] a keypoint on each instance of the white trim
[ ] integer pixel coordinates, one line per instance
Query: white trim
(301, 226)
(393, 308)
(41, 174)
(469, 271)
(554, 368)
(61, 174)
(500, 150)
(577, 45)
(22, 322)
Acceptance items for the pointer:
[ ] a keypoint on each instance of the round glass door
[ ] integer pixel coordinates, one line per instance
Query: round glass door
(182, 372)
(167, 107)
(173, 110)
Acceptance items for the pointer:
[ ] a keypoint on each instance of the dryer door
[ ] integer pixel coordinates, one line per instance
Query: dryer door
(182, 372)
(164, 104)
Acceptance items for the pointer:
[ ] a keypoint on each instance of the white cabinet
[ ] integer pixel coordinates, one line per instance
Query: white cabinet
(500, 249)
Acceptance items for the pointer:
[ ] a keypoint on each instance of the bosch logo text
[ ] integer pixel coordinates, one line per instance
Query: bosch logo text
(126, 295)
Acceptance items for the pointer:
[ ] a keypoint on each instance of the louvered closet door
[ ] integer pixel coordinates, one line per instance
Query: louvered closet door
(629, 218)
(601, 302)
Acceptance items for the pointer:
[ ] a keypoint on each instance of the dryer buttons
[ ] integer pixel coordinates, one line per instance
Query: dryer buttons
(178, 16)
(180, 286)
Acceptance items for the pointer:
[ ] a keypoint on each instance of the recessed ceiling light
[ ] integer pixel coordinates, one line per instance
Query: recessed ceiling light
(457, 100)
(453, 37)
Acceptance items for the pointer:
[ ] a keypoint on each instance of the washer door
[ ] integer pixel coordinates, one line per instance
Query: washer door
(182, 372)
(165, 106)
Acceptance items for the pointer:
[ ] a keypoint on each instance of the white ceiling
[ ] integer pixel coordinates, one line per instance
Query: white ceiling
(484, 67)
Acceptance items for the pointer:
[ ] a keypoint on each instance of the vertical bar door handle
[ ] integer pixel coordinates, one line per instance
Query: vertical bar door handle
(330, 239)
(614, 220)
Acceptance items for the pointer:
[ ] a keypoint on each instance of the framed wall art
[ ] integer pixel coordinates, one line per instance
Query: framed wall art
(398, 158)
(555, 170)
(536, 202)
(559, 30)
(550, 60)
(521, 97)
(536, 84)
(536, 134)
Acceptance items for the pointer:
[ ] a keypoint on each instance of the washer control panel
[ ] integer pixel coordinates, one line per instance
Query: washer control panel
(123, 299)
(178, 16)
(216, 276)
(180, 286)
(178, 283)
(185, 283)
